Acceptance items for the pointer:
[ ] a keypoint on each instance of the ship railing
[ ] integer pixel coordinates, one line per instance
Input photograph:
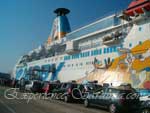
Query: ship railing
(104, 22)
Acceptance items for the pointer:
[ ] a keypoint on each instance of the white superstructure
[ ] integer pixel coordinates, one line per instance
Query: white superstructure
(91, 49)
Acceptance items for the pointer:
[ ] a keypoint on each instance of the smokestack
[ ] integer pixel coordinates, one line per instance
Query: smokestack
(61, 24)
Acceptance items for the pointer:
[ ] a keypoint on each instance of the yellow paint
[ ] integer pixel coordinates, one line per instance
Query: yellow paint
(116, 61)
(142, 48)
(114, 64)
(139, 65)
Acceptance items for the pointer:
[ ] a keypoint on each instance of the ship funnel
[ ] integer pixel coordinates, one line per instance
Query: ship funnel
(61, 24)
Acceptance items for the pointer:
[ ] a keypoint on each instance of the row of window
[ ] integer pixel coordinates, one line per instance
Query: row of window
(106, 50)
(89, 46)
(130, 44)
(92, 53)
(54, 59)
(78, 64)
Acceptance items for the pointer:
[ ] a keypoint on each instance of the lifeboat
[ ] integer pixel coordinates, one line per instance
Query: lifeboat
(114, 38)
(138, 7)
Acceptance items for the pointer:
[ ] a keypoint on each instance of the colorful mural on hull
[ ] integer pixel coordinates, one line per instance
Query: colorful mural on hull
(47, 72)
(132, 66)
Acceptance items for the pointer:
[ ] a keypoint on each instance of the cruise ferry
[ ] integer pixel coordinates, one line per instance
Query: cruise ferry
(114, 50)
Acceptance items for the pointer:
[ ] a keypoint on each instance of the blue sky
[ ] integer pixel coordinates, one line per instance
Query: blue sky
(25, 24)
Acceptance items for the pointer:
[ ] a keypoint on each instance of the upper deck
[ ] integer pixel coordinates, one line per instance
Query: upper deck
(101, 24)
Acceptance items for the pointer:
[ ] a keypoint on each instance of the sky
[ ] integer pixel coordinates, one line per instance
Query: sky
(26, 24)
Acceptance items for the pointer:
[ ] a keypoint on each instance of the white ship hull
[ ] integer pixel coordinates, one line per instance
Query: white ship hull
(129, 60)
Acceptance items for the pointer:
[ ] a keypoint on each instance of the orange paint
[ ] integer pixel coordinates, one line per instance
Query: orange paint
(140, 65)
(140, 49)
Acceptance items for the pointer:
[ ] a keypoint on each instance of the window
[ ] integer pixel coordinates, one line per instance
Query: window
(95, 52)
(84, 54)
(105, 50)
(66, 57)
(113, 60)
(72, 56)
(100, 52)
(114, 49)
(88, 53)
(111, 50)
(81, 55)
(130, 45)
(77, 55)
(140, 42)
(140, 28)
(92, 53)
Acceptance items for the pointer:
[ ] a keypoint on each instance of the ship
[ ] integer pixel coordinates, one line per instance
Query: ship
(113, 50)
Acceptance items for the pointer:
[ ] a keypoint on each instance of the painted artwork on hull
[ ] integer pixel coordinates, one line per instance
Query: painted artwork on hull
(133, 66)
